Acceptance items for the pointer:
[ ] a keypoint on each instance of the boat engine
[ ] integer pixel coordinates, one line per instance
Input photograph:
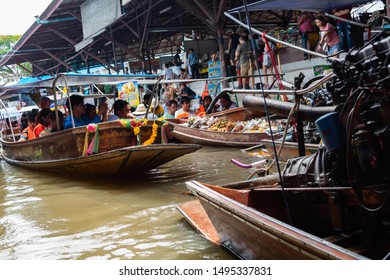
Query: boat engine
(356, 150)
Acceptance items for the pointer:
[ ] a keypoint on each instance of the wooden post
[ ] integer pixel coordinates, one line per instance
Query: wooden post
(222, 58)
(388, 8)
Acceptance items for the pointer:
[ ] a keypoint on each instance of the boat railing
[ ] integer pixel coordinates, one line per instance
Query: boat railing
(9, 122)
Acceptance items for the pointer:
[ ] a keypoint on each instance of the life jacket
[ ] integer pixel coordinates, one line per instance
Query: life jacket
(30, 133)
(38, 129)
(183, 115)
(200, 112)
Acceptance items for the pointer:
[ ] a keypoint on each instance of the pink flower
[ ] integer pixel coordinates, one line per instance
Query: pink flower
(92, 127)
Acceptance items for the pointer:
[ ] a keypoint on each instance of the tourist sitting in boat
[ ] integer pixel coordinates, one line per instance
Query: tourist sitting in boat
(90, 112)
(42, 121)
(226, 102)
(78, 110)
(206, 104)
(185, 112)
(171, 109)
(52, 124)
(156, 108)
(45, 102)
(140, 112)
(186, 91)
(121, 110)
(28, 132)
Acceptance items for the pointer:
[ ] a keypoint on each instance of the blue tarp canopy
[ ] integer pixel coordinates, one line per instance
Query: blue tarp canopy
(304, 5)
(77, 79)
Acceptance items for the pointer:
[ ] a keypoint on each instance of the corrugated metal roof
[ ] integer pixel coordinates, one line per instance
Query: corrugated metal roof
(147, 29)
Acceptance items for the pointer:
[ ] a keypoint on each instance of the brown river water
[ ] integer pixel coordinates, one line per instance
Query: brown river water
(49, 217)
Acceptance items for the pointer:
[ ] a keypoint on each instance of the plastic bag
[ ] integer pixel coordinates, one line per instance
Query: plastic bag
(325, 48)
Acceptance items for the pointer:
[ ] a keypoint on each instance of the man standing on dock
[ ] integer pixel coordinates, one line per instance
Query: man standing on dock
(194, 63)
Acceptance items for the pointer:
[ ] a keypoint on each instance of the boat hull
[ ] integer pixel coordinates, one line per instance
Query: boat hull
(124, 161)
(254, 235)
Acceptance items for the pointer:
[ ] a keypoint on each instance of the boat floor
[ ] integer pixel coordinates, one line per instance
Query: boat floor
(196, 215)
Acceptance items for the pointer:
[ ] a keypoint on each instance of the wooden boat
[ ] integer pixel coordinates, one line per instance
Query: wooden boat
(222, 139)
(252, 223)
(290, 149)
(119, 151)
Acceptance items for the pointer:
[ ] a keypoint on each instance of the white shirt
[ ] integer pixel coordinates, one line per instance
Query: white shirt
(168, 74)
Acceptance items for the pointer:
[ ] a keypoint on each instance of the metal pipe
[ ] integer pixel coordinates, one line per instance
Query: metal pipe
(282, 108)
(267, 180)
(277, 40)
(292, 91)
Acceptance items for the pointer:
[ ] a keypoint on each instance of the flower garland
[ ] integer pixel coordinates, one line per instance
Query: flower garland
(153, 136)
(136, 125)
(93, 147)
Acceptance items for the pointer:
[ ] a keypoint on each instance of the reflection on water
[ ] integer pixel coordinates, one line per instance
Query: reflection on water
(44, 216)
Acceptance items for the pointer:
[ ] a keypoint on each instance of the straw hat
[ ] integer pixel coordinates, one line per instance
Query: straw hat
(141, 110)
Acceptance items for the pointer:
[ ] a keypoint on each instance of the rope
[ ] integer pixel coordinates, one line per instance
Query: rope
(274, 65)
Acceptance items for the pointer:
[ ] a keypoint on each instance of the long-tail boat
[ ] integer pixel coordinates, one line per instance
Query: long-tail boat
(120, 150)
(253, 224)
(113, 148)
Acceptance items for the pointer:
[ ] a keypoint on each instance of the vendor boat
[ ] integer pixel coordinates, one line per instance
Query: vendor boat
(182, 131)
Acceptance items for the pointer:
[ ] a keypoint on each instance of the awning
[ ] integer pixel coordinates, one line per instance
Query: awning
(78, 79)
(305, 5)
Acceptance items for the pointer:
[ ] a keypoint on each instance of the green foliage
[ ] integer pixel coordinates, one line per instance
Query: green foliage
(6, 43)
(13, 72)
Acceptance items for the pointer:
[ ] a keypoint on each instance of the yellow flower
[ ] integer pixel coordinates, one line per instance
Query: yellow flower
(153, 136)
(136, 130)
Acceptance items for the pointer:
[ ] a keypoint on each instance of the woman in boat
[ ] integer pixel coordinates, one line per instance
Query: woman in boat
(52, 125)
(28, 132)
(42, 120)
(172, 108)
(206, 103)
(226, 102)
(78, 110)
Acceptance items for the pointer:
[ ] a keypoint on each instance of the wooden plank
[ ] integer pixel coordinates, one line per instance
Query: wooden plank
(195, 214)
